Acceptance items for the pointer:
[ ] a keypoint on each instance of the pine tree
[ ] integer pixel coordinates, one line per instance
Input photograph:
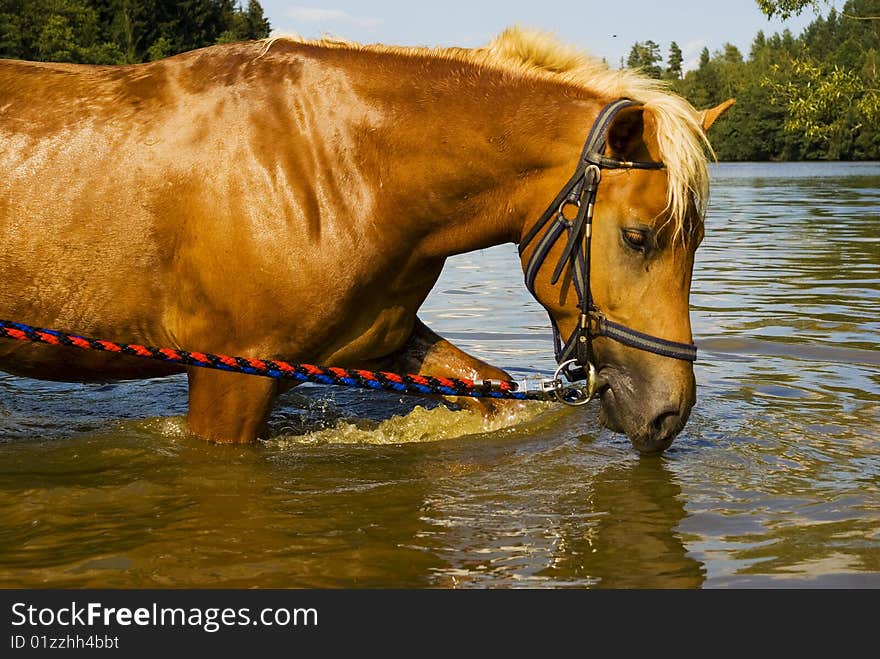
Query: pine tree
(674, 62)
(645, 56)
(257, 24)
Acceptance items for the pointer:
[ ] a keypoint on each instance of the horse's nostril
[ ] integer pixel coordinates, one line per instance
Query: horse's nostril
(665, 422)
(659, 432)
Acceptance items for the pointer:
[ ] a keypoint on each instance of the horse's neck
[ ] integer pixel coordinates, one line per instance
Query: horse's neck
(473, 157)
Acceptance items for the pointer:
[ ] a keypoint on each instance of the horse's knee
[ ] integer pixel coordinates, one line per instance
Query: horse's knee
(428, 353)
(229, 407)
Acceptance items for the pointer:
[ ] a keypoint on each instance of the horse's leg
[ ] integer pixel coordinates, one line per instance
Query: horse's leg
(428, 353)
(229, 407)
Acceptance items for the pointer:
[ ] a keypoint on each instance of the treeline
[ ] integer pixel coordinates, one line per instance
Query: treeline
(122, 31)
(811, 97)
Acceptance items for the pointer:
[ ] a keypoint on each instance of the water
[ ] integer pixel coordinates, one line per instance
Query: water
(773, 483)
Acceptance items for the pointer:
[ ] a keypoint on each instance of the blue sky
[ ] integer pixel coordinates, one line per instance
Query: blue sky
(605, 28)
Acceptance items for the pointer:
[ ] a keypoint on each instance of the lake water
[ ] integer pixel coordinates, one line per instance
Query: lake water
(775, 481)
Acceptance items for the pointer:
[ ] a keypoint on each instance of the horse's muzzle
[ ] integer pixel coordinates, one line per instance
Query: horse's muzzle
(650, 416)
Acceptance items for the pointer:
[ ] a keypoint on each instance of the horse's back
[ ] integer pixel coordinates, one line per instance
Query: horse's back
(151, 203)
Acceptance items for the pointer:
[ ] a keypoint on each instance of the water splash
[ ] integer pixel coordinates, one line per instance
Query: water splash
(426, 425)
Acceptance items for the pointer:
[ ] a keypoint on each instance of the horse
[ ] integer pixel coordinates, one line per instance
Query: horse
(296, 199)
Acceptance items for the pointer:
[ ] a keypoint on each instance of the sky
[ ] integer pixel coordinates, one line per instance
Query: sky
(605, 28)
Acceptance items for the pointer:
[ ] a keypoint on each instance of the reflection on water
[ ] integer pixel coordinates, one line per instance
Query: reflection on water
(632, 540)
(774, 482)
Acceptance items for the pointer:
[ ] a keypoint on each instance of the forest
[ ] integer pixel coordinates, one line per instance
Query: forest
(814, 96)
(122, 31)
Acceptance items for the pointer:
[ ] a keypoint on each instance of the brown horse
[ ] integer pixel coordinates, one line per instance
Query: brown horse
(297, 200)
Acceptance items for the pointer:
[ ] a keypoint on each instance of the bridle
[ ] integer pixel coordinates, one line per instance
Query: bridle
(580, 194)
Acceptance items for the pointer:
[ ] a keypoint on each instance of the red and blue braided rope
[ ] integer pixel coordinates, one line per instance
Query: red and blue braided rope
(380, 380)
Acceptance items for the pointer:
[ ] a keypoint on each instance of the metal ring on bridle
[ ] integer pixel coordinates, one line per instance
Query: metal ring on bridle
(572, 395)
(565, 204)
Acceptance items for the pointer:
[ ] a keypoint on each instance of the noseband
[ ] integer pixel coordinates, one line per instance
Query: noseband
(579, 193)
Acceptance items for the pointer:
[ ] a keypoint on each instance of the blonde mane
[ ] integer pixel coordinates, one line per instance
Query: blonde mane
(681, 140)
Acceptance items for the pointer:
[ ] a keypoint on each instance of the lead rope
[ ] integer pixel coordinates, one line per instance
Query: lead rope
(526, 389)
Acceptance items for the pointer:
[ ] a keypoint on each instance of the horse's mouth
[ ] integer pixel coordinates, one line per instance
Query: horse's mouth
(607, 410)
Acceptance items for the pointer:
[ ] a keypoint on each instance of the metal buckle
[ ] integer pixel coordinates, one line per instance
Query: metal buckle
(595, 319)
(545, 386)
(571, 394)
(556, 388)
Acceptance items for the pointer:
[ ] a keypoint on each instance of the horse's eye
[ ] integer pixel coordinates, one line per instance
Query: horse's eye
(636, 238)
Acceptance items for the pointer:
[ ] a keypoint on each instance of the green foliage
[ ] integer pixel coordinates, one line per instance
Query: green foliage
(818, 97)
(122, 31)
(674, 62)
(828, 83)
(59, 30)
(249, 24)
(160, 48)
(646, 56)
(811, 97)
(786, 8)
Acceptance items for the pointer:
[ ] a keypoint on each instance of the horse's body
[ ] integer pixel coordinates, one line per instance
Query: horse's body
(296, 201)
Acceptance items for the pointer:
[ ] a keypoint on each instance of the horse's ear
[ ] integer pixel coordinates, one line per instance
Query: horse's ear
(625, 139)
(709, 117)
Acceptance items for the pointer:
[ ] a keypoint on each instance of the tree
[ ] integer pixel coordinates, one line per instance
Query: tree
(250, 24)
(257, 24)
(828, 87)
(786, 8)
(59, 30)
(731, 54)
(703, 86)
(673, 62)
(813, 96)
(122, 31)
(646, 56)
(704, 58)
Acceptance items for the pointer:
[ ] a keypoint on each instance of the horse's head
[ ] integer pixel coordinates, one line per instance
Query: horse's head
(619, 298)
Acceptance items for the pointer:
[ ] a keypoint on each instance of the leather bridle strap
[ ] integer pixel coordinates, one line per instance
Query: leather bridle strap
(580, 193)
